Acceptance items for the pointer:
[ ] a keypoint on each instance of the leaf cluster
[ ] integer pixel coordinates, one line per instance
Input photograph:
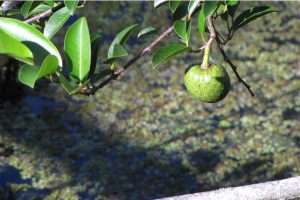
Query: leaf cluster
(74, 67)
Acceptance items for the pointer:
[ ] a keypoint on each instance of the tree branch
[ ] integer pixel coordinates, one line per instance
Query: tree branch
(212, 37)
(233, 66)
(273, 190)
(234, 69)
(44, 14)
(148, 49)
(212, 32)
(122, 69)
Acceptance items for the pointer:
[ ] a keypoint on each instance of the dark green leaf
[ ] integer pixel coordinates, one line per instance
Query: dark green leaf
(123, 35)
(25, 8)
(193, 6)
(173, 5)
(39, 53)
(207, 9)
(250, 15)
(68, 86)
(181, 11)
(95, 38)
(210, 7)
(14, 48)
(29, 74)
(25, 32)
(56, 21)
(77, 46)
(71, 5)
(164, 53)
(120, 39)
(183, 29)
(146, 31)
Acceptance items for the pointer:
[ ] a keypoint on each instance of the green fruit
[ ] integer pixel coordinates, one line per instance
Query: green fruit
(208, 85)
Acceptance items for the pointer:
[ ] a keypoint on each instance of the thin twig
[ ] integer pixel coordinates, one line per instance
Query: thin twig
(234, 68)
(226, 58)
(212, 33)
(222, 39)
(44, 14)
(200, 49)
(212, 36)
(122, 69)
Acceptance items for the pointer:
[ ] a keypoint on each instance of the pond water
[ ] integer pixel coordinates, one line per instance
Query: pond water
(143, 136)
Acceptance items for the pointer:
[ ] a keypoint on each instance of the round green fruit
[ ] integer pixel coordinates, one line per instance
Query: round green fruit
(208, 85)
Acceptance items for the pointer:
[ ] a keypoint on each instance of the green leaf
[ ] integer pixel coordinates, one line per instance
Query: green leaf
(181, 11)
(146, 31)
(158, 3)
(25, 8)
(117, 51)
(201, 21)
(210, 7)
(251, 14)
(173, 5)
(222, 8)
(25, 32)
(71, 5)
(123, 35)
(49, 2)
(26, 75)
(183, 29)
(95, 42)
(165, 53)
(49, 66)
(14, 48)
(56, 21)
(39, 9)
(29, 74)
(77, 46)
(68, 86)
(192, 7)
(232, 2)
(120, 39)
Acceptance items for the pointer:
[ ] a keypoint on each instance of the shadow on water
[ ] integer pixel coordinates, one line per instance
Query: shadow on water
(103, 163)
(121, 170)
(11, 174)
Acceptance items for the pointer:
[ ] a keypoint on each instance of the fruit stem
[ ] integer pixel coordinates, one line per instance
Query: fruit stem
(204, 64)
(212, 36)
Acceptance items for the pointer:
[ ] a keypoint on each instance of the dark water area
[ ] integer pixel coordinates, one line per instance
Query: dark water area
(143, 137)
(10, 174)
